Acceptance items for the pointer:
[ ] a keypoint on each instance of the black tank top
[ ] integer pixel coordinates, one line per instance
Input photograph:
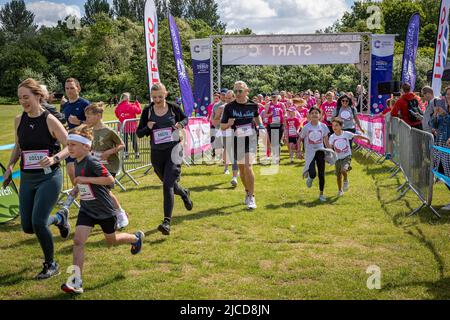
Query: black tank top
(34, 135)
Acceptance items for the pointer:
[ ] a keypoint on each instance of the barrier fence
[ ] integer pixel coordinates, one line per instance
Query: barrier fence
(409, 149)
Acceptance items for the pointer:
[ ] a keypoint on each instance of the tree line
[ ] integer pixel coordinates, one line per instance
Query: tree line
(107, 52)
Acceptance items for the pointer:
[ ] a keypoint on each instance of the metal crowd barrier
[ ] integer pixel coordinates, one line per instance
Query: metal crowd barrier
(136, 155)
(411, 151)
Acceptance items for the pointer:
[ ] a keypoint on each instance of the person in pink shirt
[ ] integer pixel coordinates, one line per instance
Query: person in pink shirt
(311, 100)
(209, 108)
(301, 110)
(275, 129)
(327, 108)
(292, 131)
(128, 110)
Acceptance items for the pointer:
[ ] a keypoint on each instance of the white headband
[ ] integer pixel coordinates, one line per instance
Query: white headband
(80, 139)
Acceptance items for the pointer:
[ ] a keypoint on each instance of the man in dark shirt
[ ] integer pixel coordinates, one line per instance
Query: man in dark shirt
(240, 115)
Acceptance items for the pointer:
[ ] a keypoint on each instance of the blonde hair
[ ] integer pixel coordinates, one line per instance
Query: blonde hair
(125, 94)
(34, 86)
(240, 83)
(95, 108)
(158, 87)
(84, 131)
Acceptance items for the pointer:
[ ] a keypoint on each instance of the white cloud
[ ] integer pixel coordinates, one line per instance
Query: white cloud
(48, 13)
(281, 16)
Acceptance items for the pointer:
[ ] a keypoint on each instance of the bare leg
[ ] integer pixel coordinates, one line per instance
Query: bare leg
(339, 182)
(81, 236)
(120, 238)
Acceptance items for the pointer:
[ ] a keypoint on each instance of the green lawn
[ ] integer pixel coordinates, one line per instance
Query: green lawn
(291, 247)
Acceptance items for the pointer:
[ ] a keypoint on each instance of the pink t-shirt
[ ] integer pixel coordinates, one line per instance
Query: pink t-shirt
(278, 114)
(292, 125)
(327, 109)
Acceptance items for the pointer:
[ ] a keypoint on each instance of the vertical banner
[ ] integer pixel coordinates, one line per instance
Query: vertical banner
(382, 65)
(440, 53)
(183, 79)
(201, 56)
(410, 52)
(151, 42)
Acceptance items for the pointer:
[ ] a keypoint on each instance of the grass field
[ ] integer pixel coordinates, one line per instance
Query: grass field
(291, 247)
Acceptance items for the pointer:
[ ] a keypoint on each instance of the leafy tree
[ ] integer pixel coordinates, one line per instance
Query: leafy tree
(94, 7)
(205, 10)
(15, 19)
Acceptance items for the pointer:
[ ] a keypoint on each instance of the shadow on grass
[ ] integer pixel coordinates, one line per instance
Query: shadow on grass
(408, 228)
(308, 204)
(440, 289)
(13, 278)
(66, 296)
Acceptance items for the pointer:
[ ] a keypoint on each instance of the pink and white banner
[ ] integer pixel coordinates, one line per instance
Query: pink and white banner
(198, 138)
(374, 128)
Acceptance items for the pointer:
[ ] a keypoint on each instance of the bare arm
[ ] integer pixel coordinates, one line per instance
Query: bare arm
(101, 181)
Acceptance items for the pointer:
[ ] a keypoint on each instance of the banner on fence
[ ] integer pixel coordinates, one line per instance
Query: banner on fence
(9, 200)
(198, 137)
(374, 127)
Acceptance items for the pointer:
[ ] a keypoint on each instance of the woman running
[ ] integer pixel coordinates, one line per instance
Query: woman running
(162, 121)
(37, 145)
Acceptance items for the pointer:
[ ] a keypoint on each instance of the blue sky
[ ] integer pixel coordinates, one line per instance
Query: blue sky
(272, 16)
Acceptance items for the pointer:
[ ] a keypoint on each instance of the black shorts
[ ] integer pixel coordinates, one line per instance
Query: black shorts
(108, 225)
(293, 140)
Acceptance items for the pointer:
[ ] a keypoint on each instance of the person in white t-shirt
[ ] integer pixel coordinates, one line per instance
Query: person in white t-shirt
(315, 137)
(340, 142)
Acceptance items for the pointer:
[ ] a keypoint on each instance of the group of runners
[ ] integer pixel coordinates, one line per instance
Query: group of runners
(315, 128)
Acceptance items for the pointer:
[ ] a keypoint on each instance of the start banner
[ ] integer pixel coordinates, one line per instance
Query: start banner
(374, 128)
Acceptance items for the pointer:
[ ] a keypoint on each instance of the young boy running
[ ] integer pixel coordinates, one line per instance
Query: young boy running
(105, 148)
(340, 141)
(92, 180)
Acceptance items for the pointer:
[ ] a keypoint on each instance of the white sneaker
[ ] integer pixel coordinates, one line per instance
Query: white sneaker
(234, 182)
(309, 182)
(446, 208)
(226, 171)
(247, 197)
(346, 185)
(340, 193)
(122, 219)
(322, 198)
(251, 203)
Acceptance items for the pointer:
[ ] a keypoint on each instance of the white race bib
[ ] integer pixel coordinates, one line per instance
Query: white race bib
(31, 158)
(341, 145)
(292, 132)
(346, 115)
(86, 192)
(276, 119)
(244, 130)
(315, 137)
(162, 135)
(98, 155)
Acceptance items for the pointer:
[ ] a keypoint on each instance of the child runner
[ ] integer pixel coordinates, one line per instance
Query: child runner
(97, 207)
(340, 141)
(314, 135)
(293, 129)
(105, 148)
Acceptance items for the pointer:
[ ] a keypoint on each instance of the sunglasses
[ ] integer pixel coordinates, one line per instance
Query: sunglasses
(344, 100)
(239, 90)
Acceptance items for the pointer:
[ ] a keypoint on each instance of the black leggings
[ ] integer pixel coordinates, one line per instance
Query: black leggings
(169, 173)
(319, 158)
(133, 141)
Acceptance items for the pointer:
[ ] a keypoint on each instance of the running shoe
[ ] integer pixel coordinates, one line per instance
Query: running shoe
(309, 182)
(137, 246)
(247, 199)
(226, 171)
(164, 228)
(122, 219)
(72, 288)
(446, 208)
(346, 185)
(322, 198)
(251, 203)
(63, 225)
(340, 193)
(234, 182)
(49, 270)
(188, 204)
